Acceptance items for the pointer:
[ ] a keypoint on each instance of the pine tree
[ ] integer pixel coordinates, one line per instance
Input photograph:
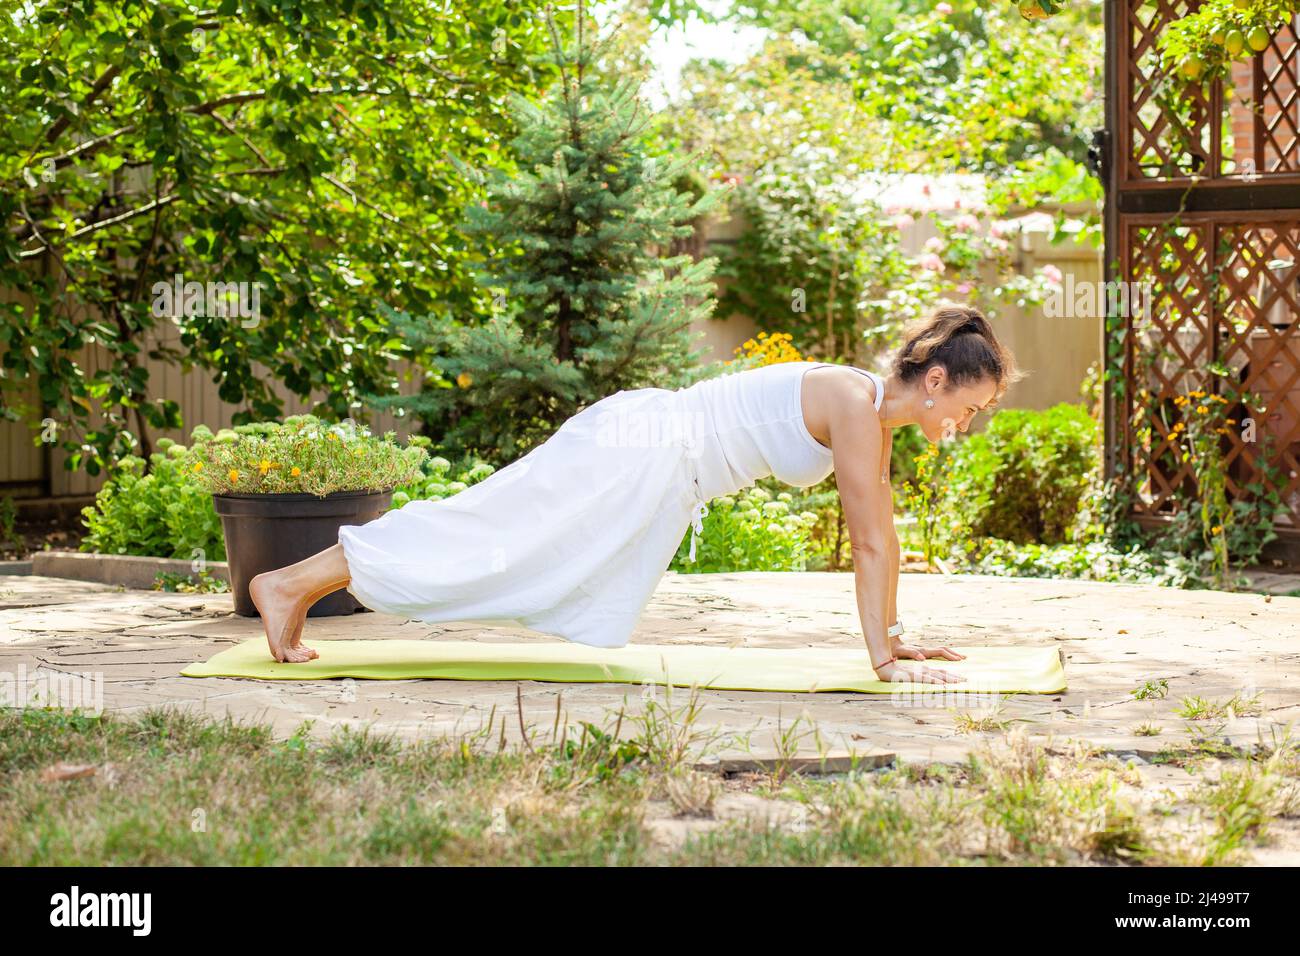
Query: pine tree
(587, 302)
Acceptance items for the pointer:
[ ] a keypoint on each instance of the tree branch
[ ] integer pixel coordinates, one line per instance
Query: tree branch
(100, 85)
(103, 224)
(204, 109)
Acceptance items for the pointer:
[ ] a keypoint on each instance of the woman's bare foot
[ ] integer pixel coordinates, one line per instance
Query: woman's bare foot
(283, 597)
(283, 616)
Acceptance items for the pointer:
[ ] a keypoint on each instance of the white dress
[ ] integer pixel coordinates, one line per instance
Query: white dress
(573, 538)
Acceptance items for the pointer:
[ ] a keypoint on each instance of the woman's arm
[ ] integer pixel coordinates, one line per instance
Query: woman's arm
(858, 445)
(891, 545)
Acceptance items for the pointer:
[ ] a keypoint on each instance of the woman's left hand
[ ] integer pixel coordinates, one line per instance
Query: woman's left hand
(912, 652)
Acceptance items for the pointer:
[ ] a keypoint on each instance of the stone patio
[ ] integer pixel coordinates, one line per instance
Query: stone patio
(1113, 638)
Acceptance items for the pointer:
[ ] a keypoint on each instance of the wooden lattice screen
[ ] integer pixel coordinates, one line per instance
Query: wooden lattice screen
(1203, 212)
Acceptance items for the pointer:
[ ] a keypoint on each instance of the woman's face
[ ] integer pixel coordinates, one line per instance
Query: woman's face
(954, 407)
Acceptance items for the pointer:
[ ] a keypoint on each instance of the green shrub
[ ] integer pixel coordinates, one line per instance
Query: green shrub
(1096, 561)
(301, 455)
(1022, 479)
(160, 514)
(435, 481)
(907, 446)
(168, 512)
(752, 531)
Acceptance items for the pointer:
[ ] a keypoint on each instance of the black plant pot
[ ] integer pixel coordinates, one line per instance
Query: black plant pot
(265, 532)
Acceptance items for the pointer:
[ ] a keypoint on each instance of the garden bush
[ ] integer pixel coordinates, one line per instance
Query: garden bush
(1095, 561)
(436, 480)
(301, 455)
(750, 531)
(160, 514)
(1022, 478)
(167, 512)
(908, 444)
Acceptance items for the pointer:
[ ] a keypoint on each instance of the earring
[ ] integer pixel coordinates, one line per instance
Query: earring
(929, 403)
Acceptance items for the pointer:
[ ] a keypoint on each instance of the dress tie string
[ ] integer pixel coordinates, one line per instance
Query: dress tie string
(698, 514)
(700, 510)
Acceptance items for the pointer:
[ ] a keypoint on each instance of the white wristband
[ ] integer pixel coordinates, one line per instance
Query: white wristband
(896, 629)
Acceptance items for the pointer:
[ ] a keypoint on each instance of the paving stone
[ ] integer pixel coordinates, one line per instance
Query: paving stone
(1113, 639)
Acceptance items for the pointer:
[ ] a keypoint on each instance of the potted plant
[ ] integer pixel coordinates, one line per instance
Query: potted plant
(284, 490)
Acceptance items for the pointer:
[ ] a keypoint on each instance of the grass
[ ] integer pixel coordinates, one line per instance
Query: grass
(982, 721)
(204, 583)
(1198, 708)
(1152, 690)
(170, 787)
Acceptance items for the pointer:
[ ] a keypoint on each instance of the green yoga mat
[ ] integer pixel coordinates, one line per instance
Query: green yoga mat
(1025, 670)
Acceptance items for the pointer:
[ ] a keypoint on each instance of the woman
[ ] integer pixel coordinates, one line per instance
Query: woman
(572, 538)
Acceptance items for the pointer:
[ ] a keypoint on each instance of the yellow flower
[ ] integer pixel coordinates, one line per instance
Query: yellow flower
(1230, 421)
(333, 437)
(232, 475)
(464, 380)
(264, 466)
(198, 466)
(295, 471)
(1216, 529)
(1201, 409)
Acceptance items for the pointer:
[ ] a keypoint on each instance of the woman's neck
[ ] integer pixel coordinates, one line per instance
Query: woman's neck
(900, 405)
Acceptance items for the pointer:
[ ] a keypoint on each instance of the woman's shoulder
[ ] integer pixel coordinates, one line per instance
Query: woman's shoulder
(848, 380)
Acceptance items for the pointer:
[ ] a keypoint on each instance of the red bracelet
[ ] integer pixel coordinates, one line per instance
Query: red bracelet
(878, 666)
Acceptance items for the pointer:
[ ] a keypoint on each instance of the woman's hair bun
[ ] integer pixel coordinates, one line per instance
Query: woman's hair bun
(960, 339)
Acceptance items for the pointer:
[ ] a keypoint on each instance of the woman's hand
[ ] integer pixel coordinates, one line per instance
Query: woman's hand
(914, 653)
(897, 673)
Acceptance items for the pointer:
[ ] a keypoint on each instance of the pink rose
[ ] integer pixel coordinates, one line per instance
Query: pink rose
(932, 262)
(934, 244)
(943, 9)
(964, 287)
(1052, 274)
(903, 220)
(966, 223)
